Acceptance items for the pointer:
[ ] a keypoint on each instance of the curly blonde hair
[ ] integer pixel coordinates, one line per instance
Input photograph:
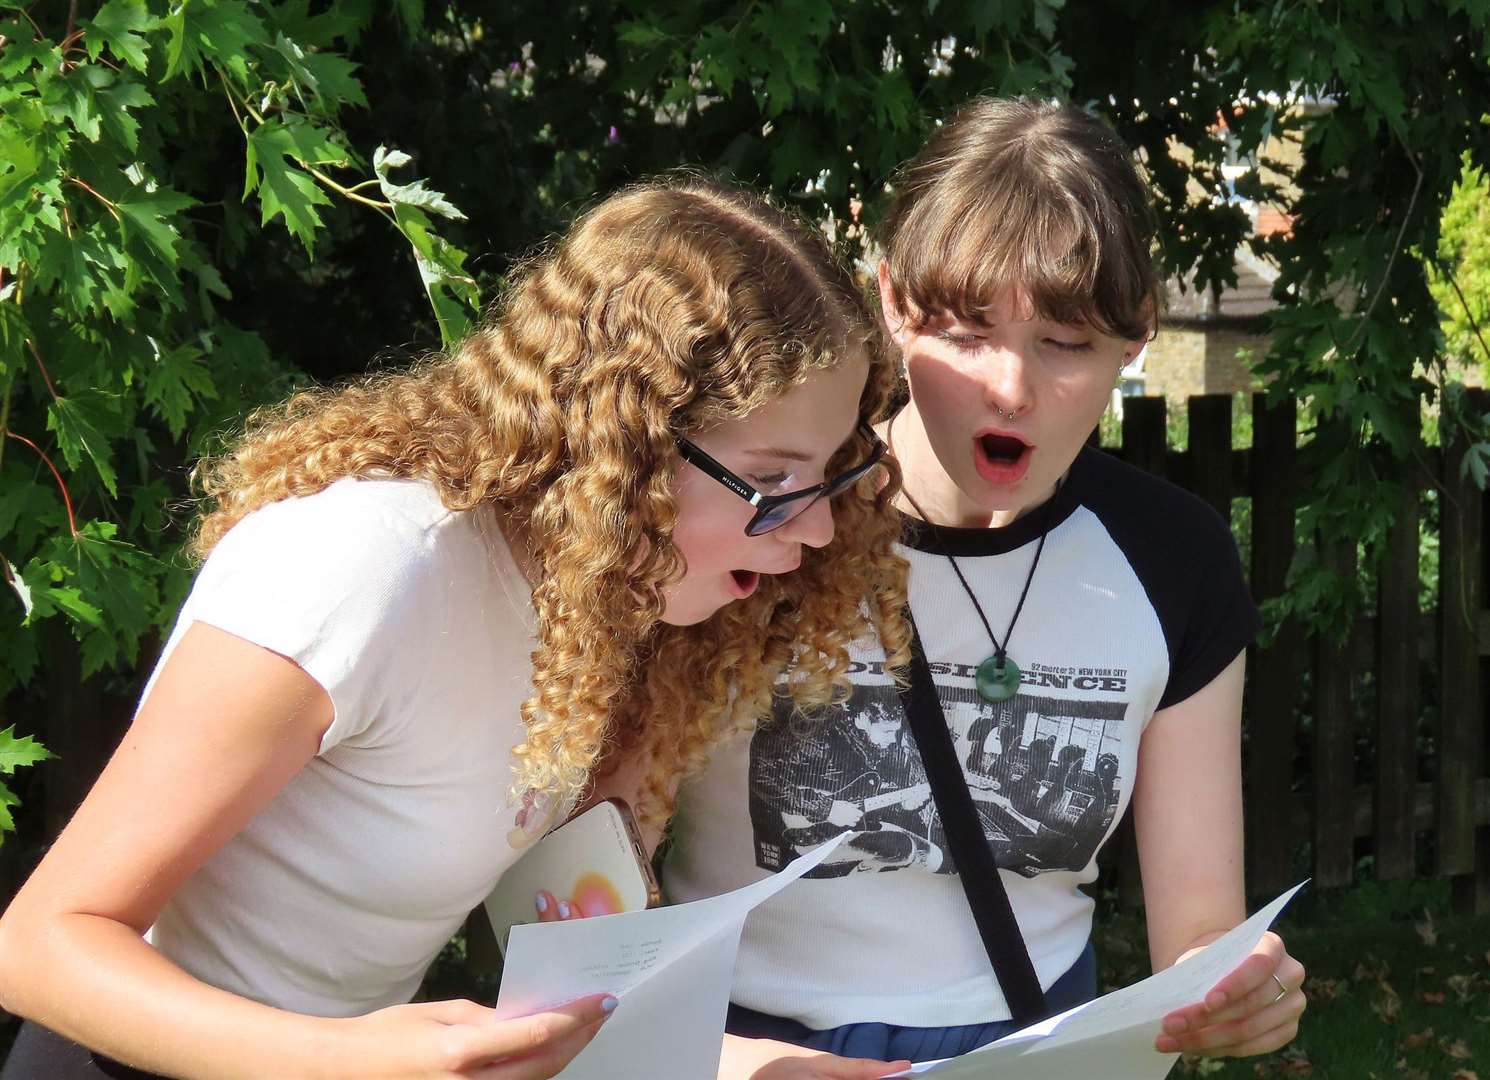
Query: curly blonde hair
(666, 309)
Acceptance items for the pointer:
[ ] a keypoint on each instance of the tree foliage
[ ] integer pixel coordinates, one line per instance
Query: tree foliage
(1460, 275)
(117, 357)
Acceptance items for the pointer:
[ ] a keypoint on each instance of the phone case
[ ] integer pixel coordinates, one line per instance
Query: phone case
(595, 856)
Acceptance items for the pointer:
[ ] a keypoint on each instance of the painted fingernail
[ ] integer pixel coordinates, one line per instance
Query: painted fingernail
(564, 909)
(608, 1004)
(541, 903)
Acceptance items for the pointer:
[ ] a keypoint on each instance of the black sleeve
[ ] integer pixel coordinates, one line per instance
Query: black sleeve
(1184, 554)
(1219, 620)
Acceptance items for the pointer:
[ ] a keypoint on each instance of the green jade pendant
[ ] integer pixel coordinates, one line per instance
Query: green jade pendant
(997, 679)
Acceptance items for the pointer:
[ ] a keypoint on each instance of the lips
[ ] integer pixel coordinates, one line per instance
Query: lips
(1001, 457)
(745, 582)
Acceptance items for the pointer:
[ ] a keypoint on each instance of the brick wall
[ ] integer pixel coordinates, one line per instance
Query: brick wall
(1184, 360)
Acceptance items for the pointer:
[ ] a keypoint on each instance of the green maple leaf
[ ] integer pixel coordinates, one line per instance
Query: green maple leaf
(117, 579)
(148, 213)
(451, 290)
(23, 50)
(88, 266)
(20, 657)
(175, 382)
(7, 800)
(117, 27)
(114, 105)
(51, 596)
(318, 31)
(29, 508)
(414, 195)
(20, 160)
(16, 752)
(327, 79)
(79, 422)
(206, 32)
(275, 152)
(77, 104)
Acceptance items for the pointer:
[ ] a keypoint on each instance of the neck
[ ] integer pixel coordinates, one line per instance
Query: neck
(927, 485)
(519, 543)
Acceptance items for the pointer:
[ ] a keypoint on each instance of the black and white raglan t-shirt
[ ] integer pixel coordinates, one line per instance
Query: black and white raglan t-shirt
(1138, 602)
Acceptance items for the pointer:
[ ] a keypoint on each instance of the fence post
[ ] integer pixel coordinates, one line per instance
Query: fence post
(1210, 451)
(1272, 673)
(1334, 736)
(1397, 664)
(1146, 446)
(1461, 720)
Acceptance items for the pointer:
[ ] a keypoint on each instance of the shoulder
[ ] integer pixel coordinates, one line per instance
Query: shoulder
(358, 551)
(1138, 508)
(369, 527)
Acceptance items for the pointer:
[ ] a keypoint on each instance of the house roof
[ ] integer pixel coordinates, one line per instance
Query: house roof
(1241, 305)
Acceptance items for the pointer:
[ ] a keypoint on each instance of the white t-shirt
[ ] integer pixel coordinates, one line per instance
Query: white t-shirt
(1138, 602)
(335, 898)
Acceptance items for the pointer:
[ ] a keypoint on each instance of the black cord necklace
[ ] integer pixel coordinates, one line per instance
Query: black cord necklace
(997, 677)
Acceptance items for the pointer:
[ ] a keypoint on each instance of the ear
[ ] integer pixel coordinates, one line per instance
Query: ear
(890, 306)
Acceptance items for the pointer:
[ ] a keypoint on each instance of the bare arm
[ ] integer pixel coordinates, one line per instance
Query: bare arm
(225, 727)
(1187, 811)
(1187, 808)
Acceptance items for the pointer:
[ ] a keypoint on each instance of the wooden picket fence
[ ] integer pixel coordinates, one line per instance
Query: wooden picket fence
(1314, 737)
(1426, 807)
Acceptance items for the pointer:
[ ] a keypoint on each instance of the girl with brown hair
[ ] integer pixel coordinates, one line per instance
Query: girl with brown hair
(1080, 636)
(432, 604)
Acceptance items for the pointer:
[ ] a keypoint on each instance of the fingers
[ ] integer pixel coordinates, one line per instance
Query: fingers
(1255, 1009)
(867, 1069)
(1258, 1025)
(545, 1063)
(558, 1033)
(551, 909)
(1250, 974)
(547, 906)
(1261, 1033)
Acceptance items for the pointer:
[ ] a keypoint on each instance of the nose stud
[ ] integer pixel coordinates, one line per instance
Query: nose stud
(1008, 415)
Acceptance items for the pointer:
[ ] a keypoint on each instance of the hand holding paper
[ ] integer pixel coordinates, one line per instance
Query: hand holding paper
(672, 967)
(1113, 1036)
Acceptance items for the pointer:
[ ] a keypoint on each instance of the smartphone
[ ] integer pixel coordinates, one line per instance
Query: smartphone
(595, 854)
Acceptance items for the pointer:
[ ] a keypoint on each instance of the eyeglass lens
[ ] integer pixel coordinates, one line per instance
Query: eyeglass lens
(779, 515)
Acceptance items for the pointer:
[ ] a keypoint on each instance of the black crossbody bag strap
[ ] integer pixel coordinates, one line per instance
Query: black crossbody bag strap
(970, 852)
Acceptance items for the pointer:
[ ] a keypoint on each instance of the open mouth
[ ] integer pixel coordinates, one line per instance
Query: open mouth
(1003, 449)
(1002, 459)
(746, 581)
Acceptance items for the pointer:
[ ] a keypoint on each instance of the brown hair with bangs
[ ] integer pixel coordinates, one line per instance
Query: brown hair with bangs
(1038, 198)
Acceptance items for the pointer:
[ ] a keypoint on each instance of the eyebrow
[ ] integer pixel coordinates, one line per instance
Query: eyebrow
(779, 452)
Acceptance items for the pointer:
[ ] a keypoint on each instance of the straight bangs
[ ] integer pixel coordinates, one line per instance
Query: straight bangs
(1040, 202)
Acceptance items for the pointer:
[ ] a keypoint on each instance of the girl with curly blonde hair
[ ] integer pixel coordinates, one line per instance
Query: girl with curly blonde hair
(433, 605)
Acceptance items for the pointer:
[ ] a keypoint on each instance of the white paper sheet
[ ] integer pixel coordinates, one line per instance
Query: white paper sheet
(1113, 1036)
(671, 967)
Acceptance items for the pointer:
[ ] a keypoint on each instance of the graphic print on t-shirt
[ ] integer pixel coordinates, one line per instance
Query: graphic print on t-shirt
(1044, 773)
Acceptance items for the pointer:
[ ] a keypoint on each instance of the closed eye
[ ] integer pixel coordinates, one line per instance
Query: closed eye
(960, 341)
(771, 480)
(1069, 346)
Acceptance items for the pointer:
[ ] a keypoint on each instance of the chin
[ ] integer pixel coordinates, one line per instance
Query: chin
(687, 614)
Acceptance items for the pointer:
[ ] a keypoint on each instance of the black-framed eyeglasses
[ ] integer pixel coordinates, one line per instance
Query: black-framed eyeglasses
(774, 511)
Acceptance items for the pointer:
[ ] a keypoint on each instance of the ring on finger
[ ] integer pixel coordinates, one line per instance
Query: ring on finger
(1282, 990)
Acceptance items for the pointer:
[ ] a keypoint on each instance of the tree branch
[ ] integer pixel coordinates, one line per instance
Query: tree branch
(72, 521)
